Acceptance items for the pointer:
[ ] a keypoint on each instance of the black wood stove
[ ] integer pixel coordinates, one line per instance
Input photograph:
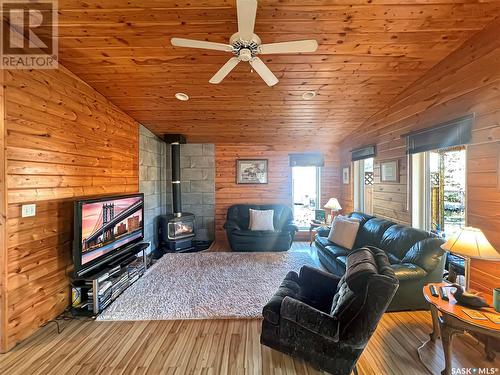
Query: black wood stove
(176, 231)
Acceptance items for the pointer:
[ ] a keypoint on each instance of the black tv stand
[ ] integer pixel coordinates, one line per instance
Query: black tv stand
(93, 292)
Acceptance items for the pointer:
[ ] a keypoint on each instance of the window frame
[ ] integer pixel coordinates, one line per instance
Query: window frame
(422, 219)
(317, 188)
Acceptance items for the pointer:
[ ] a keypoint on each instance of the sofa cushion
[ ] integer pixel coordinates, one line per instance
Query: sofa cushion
(344, 302)
(398, 239)
(425, 254)
(261, 220)
(371, 233)
(408, 272)
(289, 287)
(344, 232)
(337, 251)
(362, 217)
(342, 260)
(259, 233)
(362, 266)
(323, 241)
(393, 259)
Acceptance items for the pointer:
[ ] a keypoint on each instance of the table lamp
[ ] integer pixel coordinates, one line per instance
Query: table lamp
(333, 205)
(470, 243)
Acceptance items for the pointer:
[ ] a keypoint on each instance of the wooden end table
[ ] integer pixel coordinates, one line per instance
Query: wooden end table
(313, 226)
(448, 320)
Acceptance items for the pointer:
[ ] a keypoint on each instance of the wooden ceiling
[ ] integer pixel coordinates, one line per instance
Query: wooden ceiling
(369, 51)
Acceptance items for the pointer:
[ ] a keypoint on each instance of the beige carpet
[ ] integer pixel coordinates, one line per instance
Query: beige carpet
(206, 286)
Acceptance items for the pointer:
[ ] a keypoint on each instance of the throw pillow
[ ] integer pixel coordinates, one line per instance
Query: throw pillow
(344, 232)
(261, 219)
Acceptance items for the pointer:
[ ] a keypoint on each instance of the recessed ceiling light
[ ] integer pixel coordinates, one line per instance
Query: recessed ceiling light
(308, 95)
(182, 96)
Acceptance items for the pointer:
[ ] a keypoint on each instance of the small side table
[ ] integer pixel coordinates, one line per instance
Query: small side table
(313, 226)
(448, 320)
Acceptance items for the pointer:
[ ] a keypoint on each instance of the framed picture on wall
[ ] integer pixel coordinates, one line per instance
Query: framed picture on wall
(251, 171)
(389, 171)
(345, 175)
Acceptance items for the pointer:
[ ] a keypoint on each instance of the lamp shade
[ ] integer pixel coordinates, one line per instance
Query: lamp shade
(471, 242)
(333, 204)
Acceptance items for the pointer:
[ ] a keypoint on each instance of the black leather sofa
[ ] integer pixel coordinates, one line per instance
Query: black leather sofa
(328, 320)
(242, 239)
(415, 256)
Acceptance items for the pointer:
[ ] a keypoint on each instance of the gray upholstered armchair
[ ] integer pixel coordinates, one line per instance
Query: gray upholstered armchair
(327, 320)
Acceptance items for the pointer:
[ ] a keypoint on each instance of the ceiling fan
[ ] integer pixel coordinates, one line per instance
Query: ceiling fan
(245, 45)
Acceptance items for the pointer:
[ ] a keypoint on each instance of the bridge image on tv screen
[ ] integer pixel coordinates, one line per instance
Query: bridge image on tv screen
(109, 225)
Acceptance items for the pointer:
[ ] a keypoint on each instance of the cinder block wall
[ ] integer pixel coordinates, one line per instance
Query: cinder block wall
(152, 182)
(197, 186)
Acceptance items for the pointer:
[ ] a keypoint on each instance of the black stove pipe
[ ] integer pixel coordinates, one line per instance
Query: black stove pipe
(176, 179)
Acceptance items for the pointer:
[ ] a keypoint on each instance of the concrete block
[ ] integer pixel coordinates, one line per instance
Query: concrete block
(143, 142)
(145, 131)
(208, 198)
(167, 175)
(157, 146)
(192, 149)
(192, 198)
(158, 186)
(185, 161)
(143, 173)
(147, 187)
(150, 159)
(151, 201)
(208, 149)
(208, 174)
(208, 210)
(153, 173)
(208, 221)
(194, 209)
(191, 174)
(185, 187)
(202, 186)
(202, 161)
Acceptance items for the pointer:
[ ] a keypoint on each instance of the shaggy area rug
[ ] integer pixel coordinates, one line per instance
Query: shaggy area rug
(206, 286)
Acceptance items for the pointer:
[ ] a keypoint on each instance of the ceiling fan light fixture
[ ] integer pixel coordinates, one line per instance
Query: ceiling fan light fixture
(308, 95)
(181, 96)
(246, 45)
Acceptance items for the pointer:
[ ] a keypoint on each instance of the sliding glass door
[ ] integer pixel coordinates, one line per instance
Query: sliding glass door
(306, 194)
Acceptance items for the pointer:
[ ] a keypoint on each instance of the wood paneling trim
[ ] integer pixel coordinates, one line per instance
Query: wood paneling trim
(467, 81)
(369, 51)
(64, 141)
(3, 219)
(279, 187)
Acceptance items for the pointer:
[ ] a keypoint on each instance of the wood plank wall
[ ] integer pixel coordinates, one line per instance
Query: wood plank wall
(3, 218)
(64, 141)
(279, 188)
(467, 81)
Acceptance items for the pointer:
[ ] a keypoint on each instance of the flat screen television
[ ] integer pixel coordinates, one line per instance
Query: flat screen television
(106, 228)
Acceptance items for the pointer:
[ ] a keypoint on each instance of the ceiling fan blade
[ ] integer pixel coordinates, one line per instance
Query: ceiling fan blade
(191, 43)
(247, 10)
(225, 70)
(264, 71)
(289, 47)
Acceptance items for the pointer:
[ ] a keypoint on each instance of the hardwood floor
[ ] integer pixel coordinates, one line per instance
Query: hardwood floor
(217, 347)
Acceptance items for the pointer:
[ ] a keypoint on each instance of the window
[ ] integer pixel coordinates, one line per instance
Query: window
(438, 184)
(363, 185)
(306, 194)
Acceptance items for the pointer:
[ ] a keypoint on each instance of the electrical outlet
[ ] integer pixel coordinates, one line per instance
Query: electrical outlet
(28, 210)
